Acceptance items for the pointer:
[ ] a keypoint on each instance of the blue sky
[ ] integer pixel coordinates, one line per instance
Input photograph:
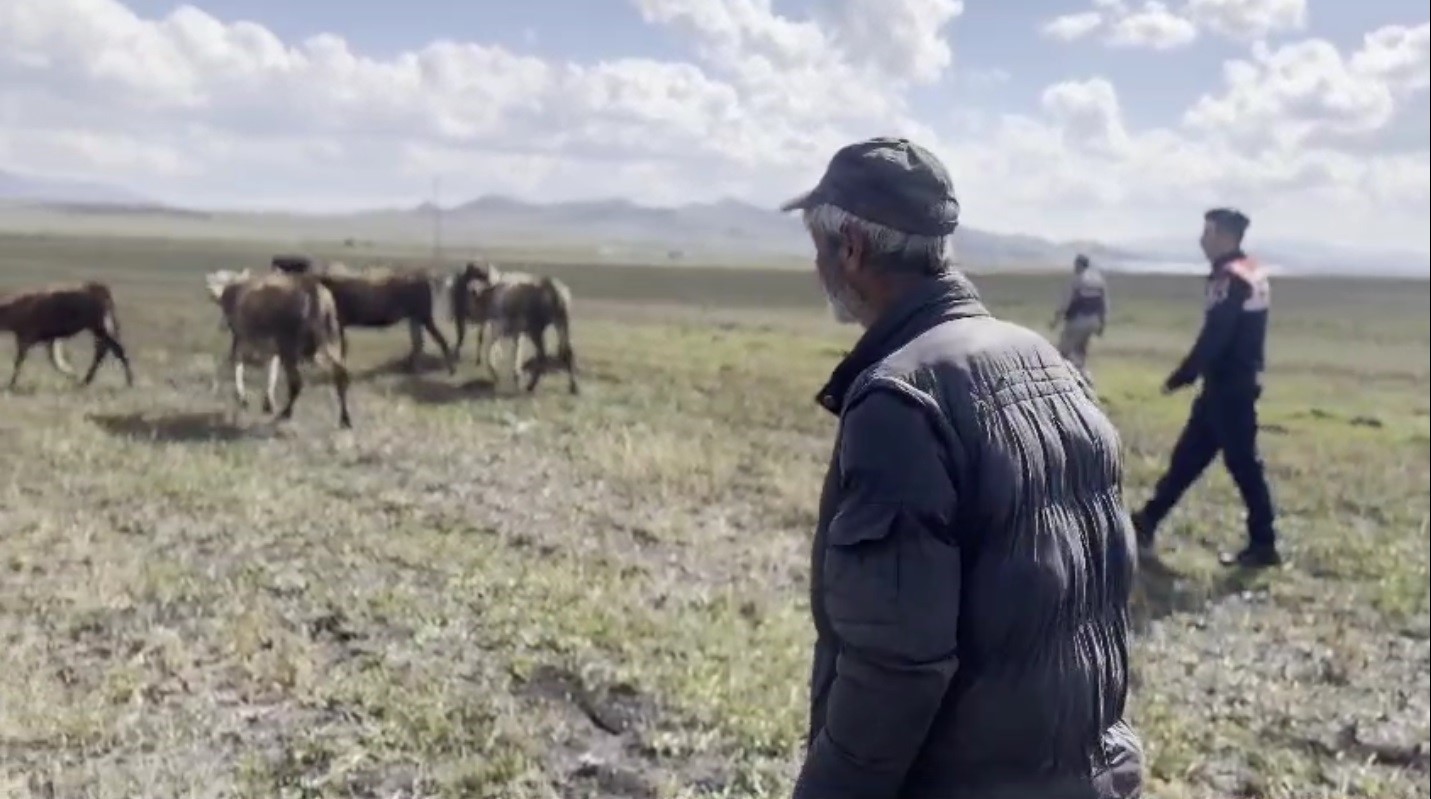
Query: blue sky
(1051, 135)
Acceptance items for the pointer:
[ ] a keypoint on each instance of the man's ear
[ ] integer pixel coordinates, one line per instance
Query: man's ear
(852, 247)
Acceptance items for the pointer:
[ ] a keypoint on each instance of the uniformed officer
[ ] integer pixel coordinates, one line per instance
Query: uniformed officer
(1084, 313)
(1228, 356)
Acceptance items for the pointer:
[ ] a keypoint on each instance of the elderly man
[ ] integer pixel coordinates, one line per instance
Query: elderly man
(1084, 313)
(973, 559)
(1228, 356)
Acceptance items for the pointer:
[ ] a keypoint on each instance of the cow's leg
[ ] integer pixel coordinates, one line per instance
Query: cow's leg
(270, 395)
(57, 358)
(460, 325)
(118, 351)
(517, 360)
(111, 341)
(240, 388)
(492, 358)
(240, 391)
(289, 357)
(101, 349)
(414, 332)
(449, 356)
(341, 381)
(537, 364)
(22, 349)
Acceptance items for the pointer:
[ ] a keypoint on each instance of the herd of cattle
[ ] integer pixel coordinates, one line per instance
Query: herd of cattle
(298, 311)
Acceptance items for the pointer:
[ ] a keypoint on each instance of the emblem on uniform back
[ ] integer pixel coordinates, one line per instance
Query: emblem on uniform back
(1249, 271)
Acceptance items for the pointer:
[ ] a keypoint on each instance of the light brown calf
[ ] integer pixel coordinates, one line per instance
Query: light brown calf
(284, 318)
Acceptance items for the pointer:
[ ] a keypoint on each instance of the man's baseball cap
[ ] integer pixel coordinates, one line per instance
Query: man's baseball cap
(892, 182)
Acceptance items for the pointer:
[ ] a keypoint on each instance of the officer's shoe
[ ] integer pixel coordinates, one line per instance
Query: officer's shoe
(1252, 557)
(1147, 553)
(1144, 533)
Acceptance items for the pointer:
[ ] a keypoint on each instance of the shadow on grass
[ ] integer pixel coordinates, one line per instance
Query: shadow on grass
(186, 427)
(1162, 591)
(426, 391)
(426, 362)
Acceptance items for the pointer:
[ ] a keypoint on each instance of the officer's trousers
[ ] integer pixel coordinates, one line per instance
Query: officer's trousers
(1073, 342)
(1223, 419)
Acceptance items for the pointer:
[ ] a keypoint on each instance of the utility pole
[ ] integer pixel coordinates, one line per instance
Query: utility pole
(436, 219)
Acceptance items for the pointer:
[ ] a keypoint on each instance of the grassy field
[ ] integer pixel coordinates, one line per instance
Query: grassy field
(477, 594)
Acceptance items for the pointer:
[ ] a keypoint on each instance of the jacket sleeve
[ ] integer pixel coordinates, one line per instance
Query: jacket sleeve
(1218, 325)
(891, 590)
(1064, 300)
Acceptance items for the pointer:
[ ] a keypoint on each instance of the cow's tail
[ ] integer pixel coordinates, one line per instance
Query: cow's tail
(559, 300)
(324, 328)
(455, 287)
(108, 318)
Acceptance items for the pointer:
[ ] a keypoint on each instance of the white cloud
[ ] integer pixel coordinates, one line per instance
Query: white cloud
(1248, 19)
(1309, 88)
(1071, 27)
(1397, 54)
(1156, 26)
(191, 107)
(903, 40)
(1089, 115)
(1272, 141)
(1153, 27)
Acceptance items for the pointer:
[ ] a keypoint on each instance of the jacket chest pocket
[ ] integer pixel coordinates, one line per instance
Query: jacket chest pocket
(861, 565)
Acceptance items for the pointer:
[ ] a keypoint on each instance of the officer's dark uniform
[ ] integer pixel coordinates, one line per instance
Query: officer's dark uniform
(1228, 356)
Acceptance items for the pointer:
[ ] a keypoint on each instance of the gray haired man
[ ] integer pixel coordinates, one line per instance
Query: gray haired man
(973, 559)
(1083, 312)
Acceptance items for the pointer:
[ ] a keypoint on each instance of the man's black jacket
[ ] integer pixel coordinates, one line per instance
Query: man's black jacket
(971, 569)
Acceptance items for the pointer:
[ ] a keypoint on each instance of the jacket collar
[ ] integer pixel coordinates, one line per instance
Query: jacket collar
(1220, 263)
(926, 304)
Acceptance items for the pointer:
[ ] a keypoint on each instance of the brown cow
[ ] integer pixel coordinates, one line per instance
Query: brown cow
(515, 304)
(52, 313)
(378, 298)
(282, 317)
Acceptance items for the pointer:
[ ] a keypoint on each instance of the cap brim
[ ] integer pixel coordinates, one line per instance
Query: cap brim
(801, 203)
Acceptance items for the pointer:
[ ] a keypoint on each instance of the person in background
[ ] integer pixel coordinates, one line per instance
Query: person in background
(1228, 357)
(1084, 313)
(972, 561)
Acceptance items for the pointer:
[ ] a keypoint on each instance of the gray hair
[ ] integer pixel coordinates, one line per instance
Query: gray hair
(890, 249)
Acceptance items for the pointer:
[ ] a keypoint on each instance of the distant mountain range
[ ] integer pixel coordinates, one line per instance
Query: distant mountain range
(699, 230)
(25, 188)
(720, 226)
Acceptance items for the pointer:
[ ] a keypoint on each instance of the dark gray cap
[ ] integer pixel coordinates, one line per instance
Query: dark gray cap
(892, 182)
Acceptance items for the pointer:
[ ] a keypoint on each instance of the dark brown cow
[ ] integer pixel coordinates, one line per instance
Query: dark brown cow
(515, 304)
(378, 298)
(50, 314)
(282, 317)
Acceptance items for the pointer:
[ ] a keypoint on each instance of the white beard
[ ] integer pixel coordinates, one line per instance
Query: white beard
(841, 312)
(843, 305)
